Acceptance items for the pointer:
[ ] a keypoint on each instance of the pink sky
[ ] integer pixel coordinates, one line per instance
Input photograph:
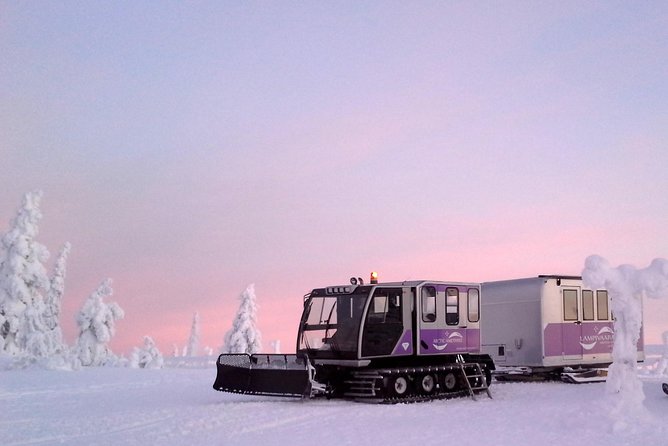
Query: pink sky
(188, 150)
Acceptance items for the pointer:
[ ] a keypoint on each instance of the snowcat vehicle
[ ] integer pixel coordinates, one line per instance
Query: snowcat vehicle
(382, 342)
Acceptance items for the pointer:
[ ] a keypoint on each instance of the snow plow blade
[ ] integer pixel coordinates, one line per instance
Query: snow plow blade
(263, 374)
(664, 386)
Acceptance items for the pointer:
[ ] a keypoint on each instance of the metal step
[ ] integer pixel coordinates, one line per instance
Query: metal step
(362, 385)
(476, 374)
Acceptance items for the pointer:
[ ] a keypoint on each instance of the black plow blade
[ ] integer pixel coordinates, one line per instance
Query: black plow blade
(261, 374)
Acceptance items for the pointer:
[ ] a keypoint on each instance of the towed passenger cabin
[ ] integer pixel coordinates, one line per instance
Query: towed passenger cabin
(547, 323)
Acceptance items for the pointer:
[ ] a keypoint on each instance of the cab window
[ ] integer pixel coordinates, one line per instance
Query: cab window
(452, 306)
(428, 301)
(474, 305)
(385, 306)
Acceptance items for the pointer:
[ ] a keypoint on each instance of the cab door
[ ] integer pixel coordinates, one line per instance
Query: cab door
(383, 324)
(438, 320)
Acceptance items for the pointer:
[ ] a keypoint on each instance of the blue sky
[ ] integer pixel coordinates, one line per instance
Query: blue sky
(188, 149)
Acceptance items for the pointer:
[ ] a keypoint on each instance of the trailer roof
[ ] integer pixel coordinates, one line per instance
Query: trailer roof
(557, 276)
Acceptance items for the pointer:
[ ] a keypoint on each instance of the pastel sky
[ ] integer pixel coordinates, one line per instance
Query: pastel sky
(188, 149)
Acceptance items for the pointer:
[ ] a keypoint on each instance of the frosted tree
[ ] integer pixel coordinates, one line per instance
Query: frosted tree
(146, 357)
(97, 325)
(23, 282)
(244, 336)
(192, 347)
(33, 337)
(53, 302)
(626, 286)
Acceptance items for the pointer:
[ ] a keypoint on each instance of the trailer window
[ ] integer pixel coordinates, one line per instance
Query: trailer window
(587, 305)
(474, 305)
(570, 305)
(602, 305)
(452, 306)
(428, 304)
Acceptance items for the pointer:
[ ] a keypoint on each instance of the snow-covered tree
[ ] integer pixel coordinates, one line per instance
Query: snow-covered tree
(244, 336)
(23, 282)
(97, 324)
(53, 302)
(146, 357)
(192, 347)
(626, 286)
(33, 336)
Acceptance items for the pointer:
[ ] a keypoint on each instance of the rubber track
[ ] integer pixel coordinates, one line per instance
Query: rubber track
(381, 374)
(413, 398)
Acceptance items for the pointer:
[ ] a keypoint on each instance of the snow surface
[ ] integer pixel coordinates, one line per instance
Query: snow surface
(177, 406)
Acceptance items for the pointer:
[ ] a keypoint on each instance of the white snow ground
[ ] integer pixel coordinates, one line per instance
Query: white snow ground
(177, 406)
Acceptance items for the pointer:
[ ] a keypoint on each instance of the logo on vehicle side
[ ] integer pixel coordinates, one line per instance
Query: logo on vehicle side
(605, 334)
(453, 338)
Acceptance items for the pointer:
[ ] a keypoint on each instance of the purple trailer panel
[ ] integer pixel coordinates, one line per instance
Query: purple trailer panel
(569, 339)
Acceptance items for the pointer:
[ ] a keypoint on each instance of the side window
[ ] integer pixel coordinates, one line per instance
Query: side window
(394, 314)
(474, 305)
(587, 305)
(428, 300)
(385, 306)
(570, 305)
(378, 308)
(452, 306)
(602, 305)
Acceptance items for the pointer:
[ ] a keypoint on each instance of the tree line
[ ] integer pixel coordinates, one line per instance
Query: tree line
(31, 306)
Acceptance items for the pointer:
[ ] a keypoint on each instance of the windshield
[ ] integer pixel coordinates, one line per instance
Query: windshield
(331, 324)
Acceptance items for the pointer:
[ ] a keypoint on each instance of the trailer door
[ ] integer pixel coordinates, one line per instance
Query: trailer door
(572, 323)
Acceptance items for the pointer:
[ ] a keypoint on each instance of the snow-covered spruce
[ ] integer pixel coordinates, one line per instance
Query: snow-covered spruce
(146, 357)
(23, 283)
(97, 324)
(244, 336)
(53, 303)
(192, 347)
